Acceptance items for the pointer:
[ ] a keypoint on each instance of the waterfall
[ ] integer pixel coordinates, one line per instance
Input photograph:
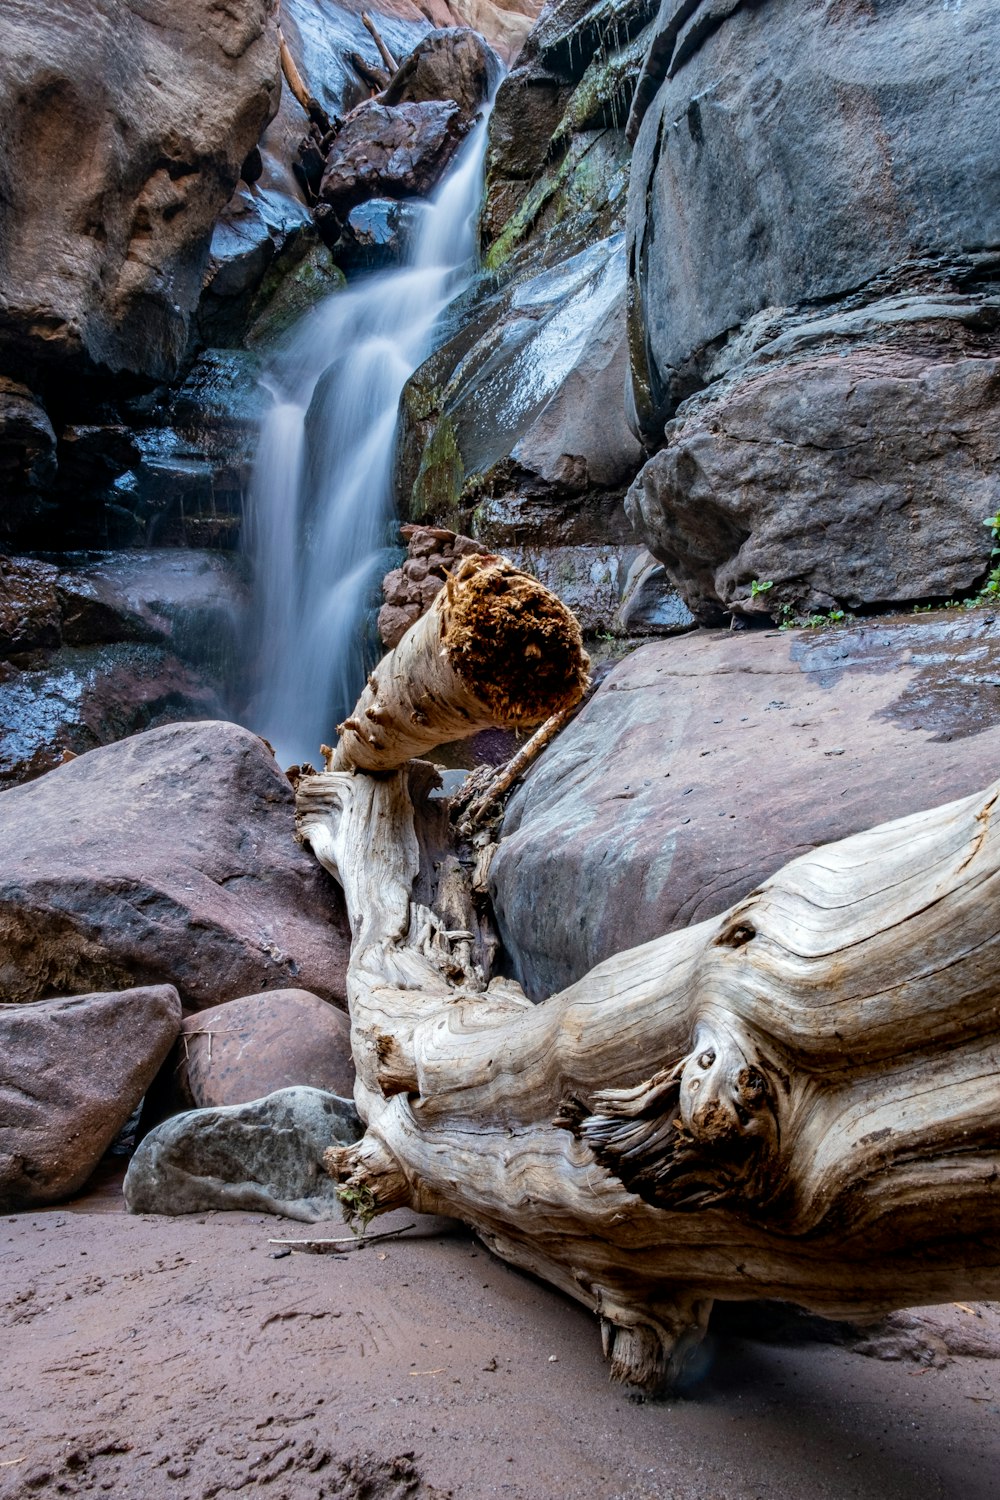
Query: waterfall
(321, 498)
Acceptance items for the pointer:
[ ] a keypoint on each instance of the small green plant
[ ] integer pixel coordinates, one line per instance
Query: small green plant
(991, 588)
(760, 586)
(358, 1206)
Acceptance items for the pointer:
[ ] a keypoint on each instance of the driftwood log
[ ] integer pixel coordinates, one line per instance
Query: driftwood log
(799, 1099)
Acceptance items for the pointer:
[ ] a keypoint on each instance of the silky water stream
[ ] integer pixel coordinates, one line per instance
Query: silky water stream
(321, 501)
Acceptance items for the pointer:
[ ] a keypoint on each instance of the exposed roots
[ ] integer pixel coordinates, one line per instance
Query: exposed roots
(512, 642)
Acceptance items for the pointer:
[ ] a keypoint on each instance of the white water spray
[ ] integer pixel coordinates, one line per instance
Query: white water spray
(321, 494)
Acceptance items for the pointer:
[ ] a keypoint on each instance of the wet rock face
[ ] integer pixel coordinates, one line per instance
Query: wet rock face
(812, 242)
(665, 800)
(71, 1074)
(391, 153)
(122, 134)
(516, 426)
(105, 645)
(165, 858)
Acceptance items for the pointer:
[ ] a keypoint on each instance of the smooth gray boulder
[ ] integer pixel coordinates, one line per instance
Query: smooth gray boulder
(706, 762)
(71, 1073)
(263, 1156)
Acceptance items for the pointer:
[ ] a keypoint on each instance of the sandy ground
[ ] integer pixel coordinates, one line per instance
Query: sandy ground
(148, 1357)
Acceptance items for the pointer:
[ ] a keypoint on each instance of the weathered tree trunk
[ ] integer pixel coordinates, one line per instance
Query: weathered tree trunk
(799, 1099)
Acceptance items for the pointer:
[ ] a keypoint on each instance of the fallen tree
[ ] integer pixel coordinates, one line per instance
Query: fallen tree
(797, 1100)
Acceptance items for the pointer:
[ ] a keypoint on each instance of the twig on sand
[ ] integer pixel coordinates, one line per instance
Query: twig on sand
(341, 1246)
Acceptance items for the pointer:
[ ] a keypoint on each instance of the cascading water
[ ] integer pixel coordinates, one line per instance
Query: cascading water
(321, 495)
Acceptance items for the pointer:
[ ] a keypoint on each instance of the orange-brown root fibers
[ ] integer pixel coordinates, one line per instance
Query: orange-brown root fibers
(512, 642)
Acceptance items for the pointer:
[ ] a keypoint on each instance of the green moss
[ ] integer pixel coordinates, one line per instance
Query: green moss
(603, 96)
(438, 485)
(296, 280)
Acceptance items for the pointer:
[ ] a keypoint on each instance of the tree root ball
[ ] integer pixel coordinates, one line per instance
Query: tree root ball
(512, 642)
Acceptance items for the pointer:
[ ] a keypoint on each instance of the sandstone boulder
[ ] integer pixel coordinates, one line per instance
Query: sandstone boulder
(873, 488)
(256, 1045)
(166, 858)
(263, 1156)
(454, 64)
(398, 152)
(705, 763)
(71, 1073)
(122, 132)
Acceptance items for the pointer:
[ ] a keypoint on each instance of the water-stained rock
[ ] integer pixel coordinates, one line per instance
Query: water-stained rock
(166, 858)
(397, 152)
(265, 1156)
(516, 425)
(705, 763)
(71, 1073)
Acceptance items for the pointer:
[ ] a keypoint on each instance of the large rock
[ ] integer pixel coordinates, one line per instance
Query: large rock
(848, 478)
(166, 858)
(796, 152)
(703, 764)
(516, 425)
(454, 63)
(71, 1074)
(814, 272)
(263, 1156)
(122, 132)
(256, 1045)
(398, 152)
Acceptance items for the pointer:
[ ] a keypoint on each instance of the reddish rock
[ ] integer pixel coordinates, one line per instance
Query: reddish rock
(398, 152)
(29, 605)
(705, 763)
(410, 590)
(169, 857)
(71, 1073)
(253, 1046)
(452, 64)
